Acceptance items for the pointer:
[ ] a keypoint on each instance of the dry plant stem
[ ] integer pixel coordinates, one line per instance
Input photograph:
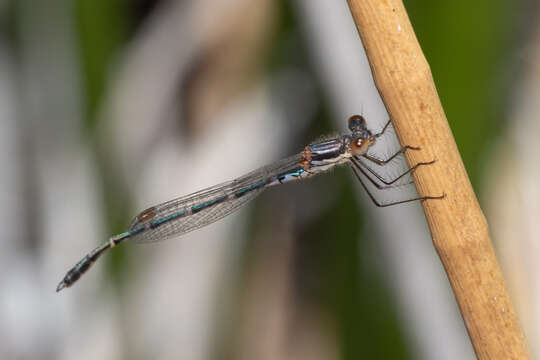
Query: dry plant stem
(458, 226)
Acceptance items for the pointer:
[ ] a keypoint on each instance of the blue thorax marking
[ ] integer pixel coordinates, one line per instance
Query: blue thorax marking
(290, 175)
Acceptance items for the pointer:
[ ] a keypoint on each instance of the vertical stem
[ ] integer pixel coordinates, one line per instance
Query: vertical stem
(458, 226)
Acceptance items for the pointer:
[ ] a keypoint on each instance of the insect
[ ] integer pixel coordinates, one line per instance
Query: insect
(184, 214)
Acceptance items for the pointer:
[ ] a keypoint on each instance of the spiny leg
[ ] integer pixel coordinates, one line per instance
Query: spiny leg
(421, 198)
(359, 162)
(384, 162)
(384, 128)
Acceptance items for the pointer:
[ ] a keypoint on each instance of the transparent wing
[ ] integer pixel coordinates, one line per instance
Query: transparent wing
(384, 148)
(394, 172)
(195, 221)
(220, 196)
(388, 179)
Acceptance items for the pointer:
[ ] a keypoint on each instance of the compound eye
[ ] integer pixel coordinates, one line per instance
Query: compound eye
(357, 123)
(359, 146)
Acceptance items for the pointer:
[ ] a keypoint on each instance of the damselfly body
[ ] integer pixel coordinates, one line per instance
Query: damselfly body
(179, 216)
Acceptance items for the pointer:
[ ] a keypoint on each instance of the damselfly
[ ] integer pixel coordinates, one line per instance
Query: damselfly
(179, 216)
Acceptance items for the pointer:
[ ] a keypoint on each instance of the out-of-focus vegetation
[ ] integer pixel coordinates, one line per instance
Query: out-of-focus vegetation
(469, 47)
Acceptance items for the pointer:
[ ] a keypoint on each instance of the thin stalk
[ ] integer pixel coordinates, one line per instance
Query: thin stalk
(458, 226)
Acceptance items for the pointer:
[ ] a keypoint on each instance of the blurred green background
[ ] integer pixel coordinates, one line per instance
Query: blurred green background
(472, 52)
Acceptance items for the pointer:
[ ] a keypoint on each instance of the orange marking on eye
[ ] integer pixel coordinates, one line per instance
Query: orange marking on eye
(357, 144)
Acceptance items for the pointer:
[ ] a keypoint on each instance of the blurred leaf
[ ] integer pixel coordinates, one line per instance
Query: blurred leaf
(466, 45)
(102, 28)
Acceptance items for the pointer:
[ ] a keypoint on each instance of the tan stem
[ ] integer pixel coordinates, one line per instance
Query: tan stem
(458, 226)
